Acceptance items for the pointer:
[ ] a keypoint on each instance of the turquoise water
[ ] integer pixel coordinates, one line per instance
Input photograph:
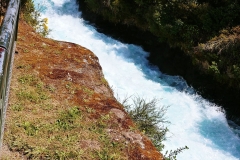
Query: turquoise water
(195, 122)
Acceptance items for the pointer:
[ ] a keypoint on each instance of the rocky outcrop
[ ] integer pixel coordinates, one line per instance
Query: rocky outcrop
(195, 66)
(69, 75)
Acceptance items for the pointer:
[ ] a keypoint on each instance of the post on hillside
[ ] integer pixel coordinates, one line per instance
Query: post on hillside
(7, 49)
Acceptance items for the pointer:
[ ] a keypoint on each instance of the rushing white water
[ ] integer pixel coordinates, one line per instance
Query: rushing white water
(194, 121)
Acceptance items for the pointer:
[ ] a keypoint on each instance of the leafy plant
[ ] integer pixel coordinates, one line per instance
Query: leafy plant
(214, 68)
(30, 128)
(150, 119)
(67, 119)
(172, 155)
(32, 16)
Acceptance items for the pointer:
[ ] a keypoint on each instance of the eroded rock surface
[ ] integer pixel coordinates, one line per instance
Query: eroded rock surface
(76, 77)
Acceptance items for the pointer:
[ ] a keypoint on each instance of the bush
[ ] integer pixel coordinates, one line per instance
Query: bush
(32, 16)
(150, 120)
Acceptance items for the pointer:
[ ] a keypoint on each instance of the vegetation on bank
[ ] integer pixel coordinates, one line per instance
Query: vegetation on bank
(182, 23)
(52, 115)
(150, 120)
(206, 30)
(39, 128)
(58, 114)
(32, 16)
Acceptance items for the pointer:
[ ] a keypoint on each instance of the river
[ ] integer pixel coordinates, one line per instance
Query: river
(194, 121)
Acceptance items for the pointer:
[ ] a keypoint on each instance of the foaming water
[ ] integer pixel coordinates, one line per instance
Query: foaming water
(195, 122)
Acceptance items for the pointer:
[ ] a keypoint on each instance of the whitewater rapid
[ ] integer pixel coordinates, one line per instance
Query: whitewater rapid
(195, 122)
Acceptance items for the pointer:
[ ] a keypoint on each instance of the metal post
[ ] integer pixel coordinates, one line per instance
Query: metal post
(8, 35)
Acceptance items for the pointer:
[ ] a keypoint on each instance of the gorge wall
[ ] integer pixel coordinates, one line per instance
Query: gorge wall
(61, 106)
(174, 61)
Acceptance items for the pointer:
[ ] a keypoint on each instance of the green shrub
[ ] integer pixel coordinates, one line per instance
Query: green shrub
(150, 119)
(32, 16)
(172, 155)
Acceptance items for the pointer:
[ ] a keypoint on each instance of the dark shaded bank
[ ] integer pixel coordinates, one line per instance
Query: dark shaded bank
(171, 61)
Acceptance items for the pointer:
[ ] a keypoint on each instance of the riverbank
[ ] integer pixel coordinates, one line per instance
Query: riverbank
(61, 106)
(173, 61)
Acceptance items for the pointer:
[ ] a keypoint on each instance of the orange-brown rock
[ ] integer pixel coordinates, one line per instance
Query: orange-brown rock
(77, 77)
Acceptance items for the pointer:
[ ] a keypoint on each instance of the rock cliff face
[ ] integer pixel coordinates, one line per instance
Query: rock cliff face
(61, 106)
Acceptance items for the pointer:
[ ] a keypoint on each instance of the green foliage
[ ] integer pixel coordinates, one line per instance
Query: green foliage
(27, 79)
(67, 119)
(172, 155)
(27, 8)
(32, 96)
(33, 90)
(150, 119)
(236, 71)
(109, 149)
(32, 16)
(17, 107)
(180, 23)
(214, 68)
(30, 128)
(221, 57)
(212, 26)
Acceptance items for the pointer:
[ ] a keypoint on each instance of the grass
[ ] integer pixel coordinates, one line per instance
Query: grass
(40, 126)
(57, 112)
(33, 89)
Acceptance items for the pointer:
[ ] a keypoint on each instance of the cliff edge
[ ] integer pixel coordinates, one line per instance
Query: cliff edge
(61, 106)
